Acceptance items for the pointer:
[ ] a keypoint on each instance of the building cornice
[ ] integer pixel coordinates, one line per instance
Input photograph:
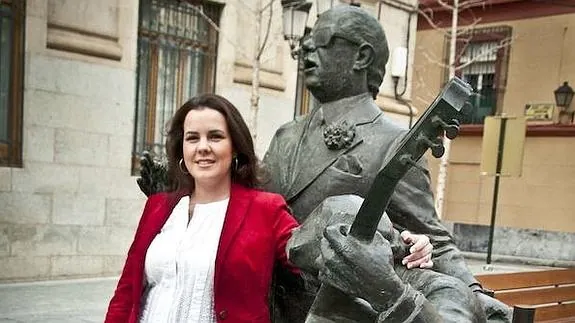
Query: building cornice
(492, 11)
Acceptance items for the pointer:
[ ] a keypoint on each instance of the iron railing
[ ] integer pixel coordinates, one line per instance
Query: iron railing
(177, 48)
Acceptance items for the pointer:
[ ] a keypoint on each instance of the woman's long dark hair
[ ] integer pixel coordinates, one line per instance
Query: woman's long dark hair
(248, 171)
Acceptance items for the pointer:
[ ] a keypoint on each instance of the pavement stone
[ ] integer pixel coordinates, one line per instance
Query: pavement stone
(66, 301)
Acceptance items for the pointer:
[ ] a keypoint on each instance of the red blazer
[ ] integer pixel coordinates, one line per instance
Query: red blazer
(255, 232)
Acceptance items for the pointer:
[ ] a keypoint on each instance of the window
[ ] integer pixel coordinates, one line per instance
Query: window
(11, 76)
(482, 58)
(177, 49)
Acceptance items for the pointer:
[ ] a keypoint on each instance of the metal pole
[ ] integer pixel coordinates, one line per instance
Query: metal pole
(500, 147)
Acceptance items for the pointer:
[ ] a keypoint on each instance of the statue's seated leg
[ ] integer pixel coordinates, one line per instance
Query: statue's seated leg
(495, 310)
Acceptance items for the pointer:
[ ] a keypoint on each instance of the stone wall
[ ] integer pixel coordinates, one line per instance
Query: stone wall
(71, 209)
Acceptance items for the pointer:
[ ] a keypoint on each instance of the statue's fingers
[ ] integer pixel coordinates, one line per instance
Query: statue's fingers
(319, 263)
(327, 276)
(336, 237)
(327, 254)
(146, 154)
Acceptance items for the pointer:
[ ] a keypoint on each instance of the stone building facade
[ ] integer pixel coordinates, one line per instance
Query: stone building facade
(85, 94)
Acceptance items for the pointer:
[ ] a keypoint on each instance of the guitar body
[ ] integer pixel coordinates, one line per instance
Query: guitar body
(304, 249)
(304, 245)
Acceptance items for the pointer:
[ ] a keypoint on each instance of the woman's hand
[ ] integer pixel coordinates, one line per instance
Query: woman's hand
(420, 250)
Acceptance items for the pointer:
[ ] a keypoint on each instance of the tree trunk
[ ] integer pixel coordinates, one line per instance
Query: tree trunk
(444, 162)
(255, 96)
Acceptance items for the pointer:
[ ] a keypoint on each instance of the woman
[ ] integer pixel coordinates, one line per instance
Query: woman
(205, 251)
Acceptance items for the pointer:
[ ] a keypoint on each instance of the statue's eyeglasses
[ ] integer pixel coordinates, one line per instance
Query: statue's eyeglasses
(323, 36)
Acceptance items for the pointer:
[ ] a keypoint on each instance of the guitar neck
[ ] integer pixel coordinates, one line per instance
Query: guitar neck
(375, 203)
(447, 105)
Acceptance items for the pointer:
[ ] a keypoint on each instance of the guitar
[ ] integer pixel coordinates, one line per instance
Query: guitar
(441, 118)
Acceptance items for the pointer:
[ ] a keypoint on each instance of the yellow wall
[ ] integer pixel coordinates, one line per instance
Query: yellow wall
(542, 57)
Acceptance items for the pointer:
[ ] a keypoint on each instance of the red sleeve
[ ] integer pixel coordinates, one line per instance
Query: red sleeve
(283, 227)
(121, 304)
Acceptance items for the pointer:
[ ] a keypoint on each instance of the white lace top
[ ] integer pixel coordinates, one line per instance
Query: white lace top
(179, 266)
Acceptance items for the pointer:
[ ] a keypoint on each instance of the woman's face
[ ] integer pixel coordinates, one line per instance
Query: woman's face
(207, 147)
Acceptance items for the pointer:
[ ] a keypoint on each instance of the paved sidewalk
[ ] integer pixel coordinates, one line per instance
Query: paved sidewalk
(86, 300)
(66, 301)
(481, 267)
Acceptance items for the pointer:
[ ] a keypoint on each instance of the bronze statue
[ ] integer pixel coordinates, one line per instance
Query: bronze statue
(325, 162)
(344, 60)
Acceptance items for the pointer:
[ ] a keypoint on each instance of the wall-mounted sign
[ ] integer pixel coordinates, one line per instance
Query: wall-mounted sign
(539, 111)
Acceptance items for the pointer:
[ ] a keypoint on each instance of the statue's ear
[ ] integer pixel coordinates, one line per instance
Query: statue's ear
(364, 57)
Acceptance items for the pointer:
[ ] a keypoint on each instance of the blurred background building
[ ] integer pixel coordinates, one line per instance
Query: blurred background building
(516, 54)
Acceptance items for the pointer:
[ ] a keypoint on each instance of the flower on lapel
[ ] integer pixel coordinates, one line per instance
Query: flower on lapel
(338, 135)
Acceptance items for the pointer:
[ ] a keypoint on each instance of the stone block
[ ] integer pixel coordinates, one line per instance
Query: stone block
(106, 115)
(38, 144)
(42, 240)
(36, 8)
(78, 209)
(105, 241)
(76, 266)
(26, 208)
(109, 182)
(35, 39)
(5, 179)
(124, 212)
(28, 267)
(120, 151)
(84, 79)
(81, 148)
(4, 240)
(44, 178)
(80, 14)
(113, 265)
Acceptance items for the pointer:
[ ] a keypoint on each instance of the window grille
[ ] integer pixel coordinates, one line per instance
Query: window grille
(481, 60)
(177, 49)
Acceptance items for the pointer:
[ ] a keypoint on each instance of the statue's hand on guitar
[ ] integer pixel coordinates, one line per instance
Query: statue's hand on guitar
(340, 256)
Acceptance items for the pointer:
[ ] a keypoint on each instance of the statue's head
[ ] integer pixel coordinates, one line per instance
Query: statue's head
(345, 54)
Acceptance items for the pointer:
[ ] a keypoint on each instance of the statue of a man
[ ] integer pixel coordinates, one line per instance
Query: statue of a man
(340, 146)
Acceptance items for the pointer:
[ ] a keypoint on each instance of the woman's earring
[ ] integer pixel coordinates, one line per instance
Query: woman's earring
(183, 167)
(235, 164)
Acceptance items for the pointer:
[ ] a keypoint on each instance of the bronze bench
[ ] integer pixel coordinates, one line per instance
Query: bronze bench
(537, 296)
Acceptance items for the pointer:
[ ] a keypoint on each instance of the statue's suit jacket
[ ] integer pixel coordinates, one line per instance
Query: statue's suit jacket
(305, 172)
